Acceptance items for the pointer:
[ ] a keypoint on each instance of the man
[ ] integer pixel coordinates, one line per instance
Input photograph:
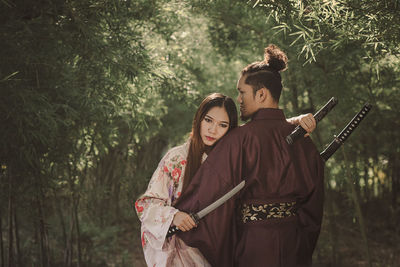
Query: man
(275, 220)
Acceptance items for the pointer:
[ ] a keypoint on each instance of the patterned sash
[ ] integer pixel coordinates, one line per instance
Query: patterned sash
(257, 212)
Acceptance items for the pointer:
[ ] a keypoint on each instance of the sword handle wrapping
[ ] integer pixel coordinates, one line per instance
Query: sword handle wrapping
(174, 229)
(298, 132)
(345, 133)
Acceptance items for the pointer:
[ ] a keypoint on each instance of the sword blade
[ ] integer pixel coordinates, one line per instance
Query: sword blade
(220, 201)
(197, 216)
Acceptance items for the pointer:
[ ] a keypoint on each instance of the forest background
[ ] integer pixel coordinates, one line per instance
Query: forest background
(93, 93)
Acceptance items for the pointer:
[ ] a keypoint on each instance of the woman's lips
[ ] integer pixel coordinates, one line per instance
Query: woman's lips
(210, 138)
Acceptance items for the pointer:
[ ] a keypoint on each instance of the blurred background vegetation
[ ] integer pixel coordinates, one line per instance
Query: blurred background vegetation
(92, 93)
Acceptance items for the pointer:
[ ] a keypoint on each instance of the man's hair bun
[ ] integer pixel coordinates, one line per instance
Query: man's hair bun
(275, 58)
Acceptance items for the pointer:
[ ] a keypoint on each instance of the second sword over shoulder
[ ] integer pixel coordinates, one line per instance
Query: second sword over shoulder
(300, 132)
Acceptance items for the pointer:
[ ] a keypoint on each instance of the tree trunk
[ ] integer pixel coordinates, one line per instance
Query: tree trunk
(333, 231)
(1, 240)
(78, 234)
(16, 235)
(36, 237)
(372, 188)
(42, 230)
(11, 262)
(395, 187)
(61, 217)
(355, 197)
(117, 192)
(395, 180)
(366, 178)
(69, 248)
(68, 255)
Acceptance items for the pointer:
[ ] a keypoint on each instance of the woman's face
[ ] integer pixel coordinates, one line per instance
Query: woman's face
(214, 125)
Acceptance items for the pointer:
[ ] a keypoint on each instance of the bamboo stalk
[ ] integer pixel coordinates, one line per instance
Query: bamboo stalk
(333, 231)
(1, 240)
(16, 236)
(357, 206)
(42, 229)
(61, 217)
(78, 234)
(395, 179)
(69, 249)
(3, 172)
(10, 223)
(366, 187)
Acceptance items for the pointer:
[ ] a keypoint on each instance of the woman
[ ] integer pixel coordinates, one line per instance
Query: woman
(215, 116)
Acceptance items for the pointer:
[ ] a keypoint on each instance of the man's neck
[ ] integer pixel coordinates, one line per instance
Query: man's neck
(268, 105)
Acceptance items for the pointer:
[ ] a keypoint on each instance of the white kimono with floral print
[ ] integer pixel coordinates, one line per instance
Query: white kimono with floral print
(156, 214)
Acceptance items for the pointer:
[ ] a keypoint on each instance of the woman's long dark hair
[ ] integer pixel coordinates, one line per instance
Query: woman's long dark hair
(197, 147)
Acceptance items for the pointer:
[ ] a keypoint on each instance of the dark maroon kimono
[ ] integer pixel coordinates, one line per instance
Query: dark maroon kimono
(274, 172)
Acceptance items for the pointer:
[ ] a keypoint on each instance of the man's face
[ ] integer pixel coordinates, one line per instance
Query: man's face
(246, 99)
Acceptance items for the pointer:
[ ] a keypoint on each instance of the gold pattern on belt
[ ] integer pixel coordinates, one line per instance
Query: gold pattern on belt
(257, 212)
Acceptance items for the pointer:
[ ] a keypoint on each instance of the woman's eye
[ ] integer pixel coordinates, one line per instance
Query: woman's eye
(224, 125)
(207, 119)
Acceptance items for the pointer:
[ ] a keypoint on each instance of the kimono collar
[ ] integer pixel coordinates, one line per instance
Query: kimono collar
(186, 147)
(269, 114)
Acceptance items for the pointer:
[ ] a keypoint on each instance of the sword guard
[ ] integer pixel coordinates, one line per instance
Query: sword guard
(195, 218)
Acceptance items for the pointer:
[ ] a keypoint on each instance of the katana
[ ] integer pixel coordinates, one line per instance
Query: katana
(345, 133)
(300, 132)
(197, 216)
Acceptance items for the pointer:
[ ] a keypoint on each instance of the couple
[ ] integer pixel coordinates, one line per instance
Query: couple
(274, 220)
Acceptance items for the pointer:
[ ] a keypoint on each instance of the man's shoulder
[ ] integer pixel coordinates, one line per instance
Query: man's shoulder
(277, 125)
(237, 132)
(244, 128)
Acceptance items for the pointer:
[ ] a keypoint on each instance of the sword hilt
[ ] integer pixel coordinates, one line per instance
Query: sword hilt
(299, 131)
(174, 229)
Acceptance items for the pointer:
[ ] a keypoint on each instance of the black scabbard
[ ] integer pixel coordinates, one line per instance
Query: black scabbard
(299, 132)
(345, 133)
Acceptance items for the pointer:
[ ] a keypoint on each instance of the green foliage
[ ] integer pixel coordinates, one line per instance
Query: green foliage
(319, 25)
(92, 94)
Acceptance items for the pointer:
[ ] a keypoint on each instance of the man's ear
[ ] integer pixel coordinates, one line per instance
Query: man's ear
(262, 95)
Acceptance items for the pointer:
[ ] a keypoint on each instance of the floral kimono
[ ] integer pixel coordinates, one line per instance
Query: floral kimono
(156, 214)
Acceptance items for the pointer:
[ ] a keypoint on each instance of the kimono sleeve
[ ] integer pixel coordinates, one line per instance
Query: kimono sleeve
(154, 206)
(215, 233)
(310, 210)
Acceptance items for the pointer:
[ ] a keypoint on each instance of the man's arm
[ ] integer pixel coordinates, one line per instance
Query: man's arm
(306, 121)
(214, 236)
